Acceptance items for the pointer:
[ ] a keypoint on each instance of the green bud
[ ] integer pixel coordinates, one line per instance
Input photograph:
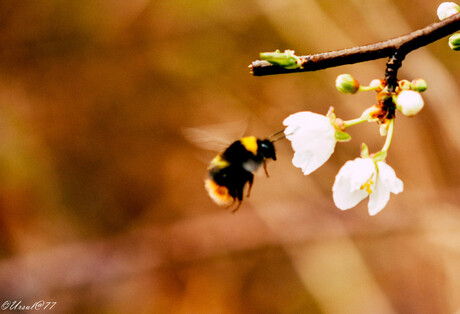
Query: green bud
(286, 59)
(341, 136)
(454, 42)
(447, 9)
(419, 85)
(345, 83)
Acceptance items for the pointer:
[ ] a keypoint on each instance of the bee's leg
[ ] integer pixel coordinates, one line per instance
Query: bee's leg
(239, 190)
(250, 181)
(231, 205)
(239, 198)
(237, 206)
(265, 169)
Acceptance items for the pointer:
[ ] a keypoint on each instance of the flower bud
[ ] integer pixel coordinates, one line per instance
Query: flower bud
(377, 85)
(419, 85)
(345, 83)
(409, 102)
(404, 84)
(286, 59)
(454, 41)
(447, 9)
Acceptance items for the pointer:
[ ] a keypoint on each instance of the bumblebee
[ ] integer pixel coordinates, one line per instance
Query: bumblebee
(231, 170)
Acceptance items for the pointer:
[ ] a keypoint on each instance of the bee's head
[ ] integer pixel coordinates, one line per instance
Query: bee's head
(267, 149)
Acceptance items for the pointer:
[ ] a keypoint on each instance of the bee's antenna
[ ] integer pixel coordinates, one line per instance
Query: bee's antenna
(272, 137)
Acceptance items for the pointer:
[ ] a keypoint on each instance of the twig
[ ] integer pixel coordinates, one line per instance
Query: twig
(403, 44)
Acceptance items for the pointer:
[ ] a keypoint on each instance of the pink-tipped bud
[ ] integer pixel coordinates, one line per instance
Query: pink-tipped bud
(345, 83)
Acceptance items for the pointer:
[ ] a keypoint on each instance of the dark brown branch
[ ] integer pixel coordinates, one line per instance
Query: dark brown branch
(391, 71)
(403, 44)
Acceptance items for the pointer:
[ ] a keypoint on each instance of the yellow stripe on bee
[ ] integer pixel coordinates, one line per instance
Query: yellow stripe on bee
(219, 162)
(250, 143)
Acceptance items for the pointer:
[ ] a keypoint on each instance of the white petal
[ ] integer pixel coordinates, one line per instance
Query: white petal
(313, 156)
(360, 171)
(304, 161)
(295, 122)
(305, 122)
(378, 198)
(389, 179)
(312, 138)
(346, 193)
(344, 199)
(316, 144)
(309, 161)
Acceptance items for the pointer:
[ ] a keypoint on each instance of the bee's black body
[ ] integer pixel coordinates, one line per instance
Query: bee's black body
(232, 169)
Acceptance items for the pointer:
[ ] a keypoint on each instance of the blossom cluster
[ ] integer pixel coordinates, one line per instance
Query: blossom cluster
(314, 137)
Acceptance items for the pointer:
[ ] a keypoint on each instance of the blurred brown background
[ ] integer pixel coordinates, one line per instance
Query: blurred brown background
(102, 206)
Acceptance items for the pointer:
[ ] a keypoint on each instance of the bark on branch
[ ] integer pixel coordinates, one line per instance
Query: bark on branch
(403, 44)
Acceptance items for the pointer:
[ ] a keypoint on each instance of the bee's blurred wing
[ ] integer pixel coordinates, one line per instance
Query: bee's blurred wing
(216, 137)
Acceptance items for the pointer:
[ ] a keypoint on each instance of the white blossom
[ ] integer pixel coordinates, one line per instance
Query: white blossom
(312, 138)
(362, 177)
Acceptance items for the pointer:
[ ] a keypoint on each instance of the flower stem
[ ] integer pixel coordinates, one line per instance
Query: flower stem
(367, 88)
(387, 144)
(354, 122)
